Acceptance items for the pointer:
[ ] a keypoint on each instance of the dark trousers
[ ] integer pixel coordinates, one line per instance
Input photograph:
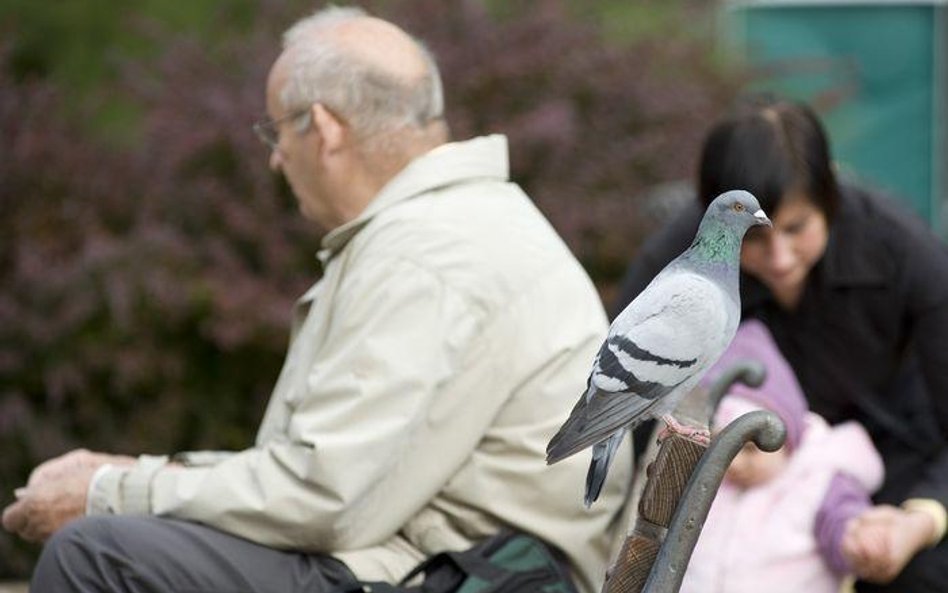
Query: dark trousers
(146, 554)
(926, 573)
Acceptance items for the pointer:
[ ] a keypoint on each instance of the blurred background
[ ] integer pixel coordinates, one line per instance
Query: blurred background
(149, 259)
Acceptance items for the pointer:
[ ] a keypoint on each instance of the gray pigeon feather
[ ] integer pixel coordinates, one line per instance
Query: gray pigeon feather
(663, 341)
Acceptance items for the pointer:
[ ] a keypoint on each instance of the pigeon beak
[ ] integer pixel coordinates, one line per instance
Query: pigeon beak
(762, 218)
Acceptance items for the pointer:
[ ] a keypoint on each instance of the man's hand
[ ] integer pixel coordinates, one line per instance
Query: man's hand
(881, 541)
(55, 494)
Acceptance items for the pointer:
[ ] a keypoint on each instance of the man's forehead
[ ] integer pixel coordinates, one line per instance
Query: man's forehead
(276, 80)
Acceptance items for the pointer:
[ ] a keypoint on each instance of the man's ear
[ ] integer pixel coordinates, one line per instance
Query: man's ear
(330, 128)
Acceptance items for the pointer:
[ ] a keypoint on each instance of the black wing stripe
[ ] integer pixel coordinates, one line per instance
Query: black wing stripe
(610, 366)
(635, 351)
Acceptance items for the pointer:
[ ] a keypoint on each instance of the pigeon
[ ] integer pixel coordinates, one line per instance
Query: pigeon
(663, 341)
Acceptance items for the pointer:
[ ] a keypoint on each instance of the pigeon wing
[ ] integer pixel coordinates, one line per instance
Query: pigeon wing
(663, 340)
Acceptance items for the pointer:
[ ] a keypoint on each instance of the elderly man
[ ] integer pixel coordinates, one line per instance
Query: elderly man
(428, 368)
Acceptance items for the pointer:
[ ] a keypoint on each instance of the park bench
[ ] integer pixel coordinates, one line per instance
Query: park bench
(680, 484)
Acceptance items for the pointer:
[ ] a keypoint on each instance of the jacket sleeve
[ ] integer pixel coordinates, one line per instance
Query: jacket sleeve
(927, 296)
(362, 451)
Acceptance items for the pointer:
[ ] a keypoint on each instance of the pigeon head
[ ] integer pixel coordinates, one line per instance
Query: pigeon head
(738, 209)
(725, 222)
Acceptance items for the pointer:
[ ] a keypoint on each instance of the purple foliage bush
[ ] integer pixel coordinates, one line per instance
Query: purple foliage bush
(592, 126)
(146, 287)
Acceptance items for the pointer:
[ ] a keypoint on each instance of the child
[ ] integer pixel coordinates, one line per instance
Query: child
(778, 519)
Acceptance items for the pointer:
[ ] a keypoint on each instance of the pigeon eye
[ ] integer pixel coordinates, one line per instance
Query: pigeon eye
(738, 207)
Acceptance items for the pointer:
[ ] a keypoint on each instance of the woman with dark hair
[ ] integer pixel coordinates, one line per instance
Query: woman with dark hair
(855, 293)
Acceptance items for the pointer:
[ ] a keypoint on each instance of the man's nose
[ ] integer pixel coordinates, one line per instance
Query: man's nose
(276, 160)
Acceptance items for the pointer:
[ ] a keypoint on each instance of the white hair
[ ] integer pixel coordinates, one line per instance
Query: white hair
(370, 99)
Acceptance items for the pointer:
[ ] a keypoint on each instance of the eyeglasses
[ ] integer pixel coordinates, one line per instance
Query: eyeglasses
(268, 130)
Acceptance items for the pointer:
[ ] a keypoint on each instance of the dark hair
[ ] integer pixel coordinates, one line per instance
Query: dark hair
(769, 147)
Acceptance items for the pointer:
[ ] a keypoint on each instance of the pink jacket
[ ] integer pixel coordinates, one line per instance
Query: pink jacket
(763, 539)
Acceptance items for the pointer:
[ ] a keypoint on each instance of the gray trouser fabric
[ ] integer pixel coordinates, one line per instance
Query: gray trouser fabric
(146, 554)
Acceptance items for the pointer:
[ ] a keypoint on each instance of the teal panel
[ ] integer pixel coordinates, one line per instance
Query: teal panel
(869, 70)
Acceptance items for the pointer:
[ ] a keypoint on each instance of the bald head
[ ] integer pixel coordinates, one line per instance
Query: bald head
(368, 71)
(377, 43)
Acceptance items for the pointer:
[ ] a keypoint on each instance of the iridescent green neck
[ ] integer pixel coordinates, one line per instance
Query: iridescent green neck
(715, 243)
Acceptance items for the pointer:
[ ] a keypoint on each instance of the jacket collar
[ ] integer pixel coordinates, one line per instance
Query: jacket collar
(445, 165)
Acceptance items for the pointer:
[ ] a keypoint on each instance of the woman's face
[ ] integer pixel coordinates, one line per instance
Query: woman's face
(782, 257)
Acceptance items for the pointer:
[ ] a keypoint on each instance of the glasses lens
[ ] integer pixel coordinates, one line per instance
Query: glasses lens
(268, 130)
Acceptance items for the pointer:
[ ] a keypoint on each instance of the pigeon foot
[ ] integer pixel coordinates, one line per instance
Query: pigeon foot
(695, 434)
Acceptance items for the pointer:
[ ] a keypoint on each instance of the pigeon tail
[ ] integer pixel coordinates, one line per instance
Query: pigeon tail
(594, 419)
(602, 456)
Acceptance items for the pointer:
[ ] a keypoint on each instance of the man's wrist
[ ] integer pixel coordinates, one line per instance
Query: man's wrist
(935, 512)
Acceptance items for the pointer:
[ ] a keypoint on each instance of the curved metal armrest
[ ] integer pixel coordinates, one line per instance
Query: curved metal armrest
(749, 372)
(768, 432)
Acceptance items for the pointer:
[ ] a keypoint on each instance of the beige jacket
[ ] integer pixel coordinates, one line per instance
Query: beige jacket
(447, 341)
